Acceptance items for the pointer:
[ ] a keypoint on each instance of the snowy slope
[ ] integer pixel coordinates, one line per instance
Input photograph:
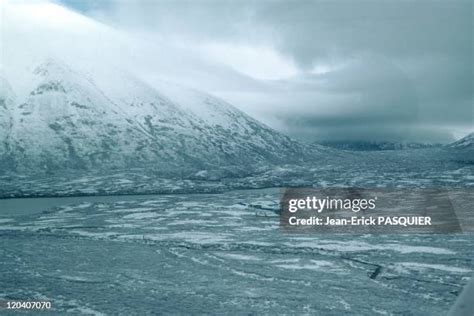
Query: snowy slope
(6, 103)
(72, 98)
(464, 143)
(65, 118)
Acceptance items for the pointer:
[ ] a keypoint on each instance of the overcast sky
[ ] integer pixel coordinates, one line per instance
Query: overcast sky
(317, 70)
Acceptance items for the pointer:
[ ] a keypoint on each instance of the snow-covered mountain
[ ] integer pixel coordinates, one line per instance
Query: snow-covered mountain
(464, 143)
(61, 117)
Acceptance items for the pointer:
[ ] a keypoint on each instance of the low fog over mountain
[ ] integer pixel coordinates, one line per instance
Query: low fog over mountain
(317, 72)
(67, 109)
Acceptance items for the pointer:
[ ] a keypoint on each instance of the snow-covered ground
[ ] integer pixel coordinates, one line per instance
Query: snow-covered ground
(432, 167)
(219, 254)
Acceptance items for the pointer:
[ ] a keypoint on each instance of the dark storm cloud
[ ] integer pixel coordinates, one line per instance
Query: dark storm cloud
(313, 30)
(398, 29)
(379, 100)
(363, 65)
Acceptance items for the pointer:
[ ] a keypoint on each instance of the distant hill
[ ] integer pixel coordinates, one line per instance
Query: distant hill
(376, 146)
(464, 143)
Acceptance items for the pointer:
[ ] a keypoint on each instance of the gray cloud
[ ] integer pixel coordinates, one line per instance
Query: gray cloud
(394, 69)
(396, 29)
(309, 31)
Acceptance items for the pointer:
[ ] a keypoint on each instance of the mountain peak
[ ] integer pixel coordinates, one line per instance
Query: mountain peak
(76, 119)
(49, 66)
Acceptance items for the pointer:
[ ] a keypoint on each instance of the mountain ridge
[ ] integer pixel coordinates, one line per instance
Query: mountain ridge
(377, 145)
(464, 143)
(74, 119)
